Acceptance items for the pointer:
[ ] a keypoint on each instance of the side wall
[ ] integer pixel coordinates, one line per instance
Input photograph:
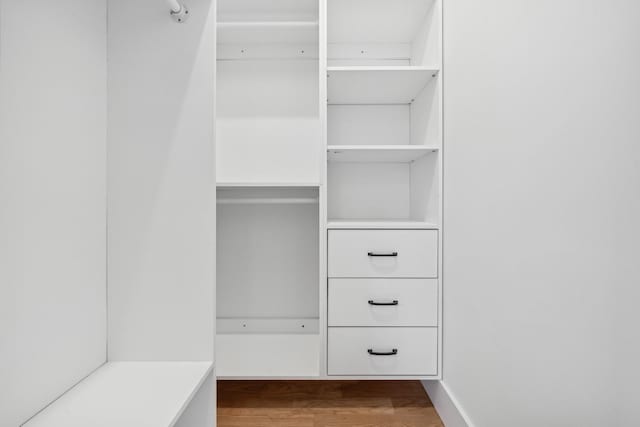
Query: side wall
(542, 201)
(161, 182)
(52, 199)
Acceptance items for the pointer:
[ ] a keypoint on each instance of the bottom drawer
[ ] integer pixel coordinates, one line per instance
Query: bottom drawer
(383, 351)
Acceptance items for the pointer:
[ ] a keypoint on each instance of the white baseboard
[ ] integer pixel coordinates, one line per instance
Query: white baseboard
(446, 405)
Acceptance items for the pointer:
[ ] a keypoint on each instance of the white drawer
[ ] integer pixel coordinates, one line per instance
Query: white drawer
(383, 302)
(363, 351)
(383, 253)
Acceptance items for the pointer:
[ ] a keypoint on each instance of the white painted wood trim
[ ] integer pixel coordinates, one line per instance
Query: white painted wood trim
(446, 404)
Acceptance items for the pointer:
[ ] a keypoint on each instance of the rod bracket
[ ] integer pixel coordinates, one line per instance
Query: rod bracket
(181, 15)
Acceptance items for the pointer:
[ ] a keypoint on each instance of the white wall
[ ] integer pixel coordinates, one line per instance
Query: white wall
(52, 199)
(542, 201)
(161, 182)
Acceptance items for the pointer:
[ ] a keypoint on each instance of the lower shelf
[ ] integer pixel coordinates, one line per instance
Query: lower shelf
(127, 394)
(267, 355)
(380, 224)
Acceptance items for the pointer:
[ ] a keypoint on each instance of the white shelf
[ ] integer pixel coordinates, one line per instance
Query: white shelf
(378, 153)
(267, 355)
(267, 32)
(377, 85)
(266, 184)
(127, 394)
(380, 224)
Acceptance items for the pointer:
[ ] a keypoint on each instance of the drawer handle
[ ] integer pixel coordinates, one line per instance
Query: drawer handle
(382, 253)
(383, 353)
(394, 302)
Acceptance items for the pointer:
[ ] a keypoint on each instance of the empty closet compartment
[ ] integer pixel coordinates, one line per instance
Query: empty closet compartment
(384, 193)
(384, 115)
(384, 107)
(267, 282)
(381, 92)
(384, 32)
(268, 128)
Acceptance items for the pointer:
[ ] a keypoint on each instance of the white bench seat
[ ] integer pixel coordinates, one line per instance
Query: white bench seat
(127, 394)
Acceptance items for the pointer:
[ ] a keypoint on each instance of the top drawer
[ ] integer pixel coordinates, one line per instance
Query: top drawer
(383, 253)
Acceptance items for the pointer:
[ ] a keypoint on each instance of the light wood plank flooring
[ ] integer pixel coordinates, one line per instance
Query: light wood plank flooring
(324, 404)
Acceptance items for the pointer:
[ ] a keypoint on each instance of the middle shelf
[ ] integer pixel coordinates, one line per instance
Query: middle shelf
(378, 153)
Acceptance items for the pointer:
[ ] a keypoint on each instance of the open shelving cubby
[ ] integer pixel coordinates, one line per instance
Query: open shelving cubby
(378, 84)
(389, 193)
(267, 286)
(383, 33)
(384, 114)
(267, 97)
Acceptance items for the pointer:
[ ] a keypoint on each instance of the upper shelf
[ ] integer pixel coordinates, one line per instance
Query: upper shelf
(377, 85)
(127, 394)
(267, 32)
(377, 153)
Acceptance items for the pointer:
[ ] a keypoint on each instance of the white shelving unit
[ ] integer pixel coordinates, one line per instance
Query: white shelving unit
(129, 394)
(328, 154)
(384, 188)
(328, 121)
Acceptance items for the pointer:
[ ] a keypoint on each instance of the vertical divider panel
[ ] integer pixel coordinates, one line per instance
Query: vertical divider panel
(161, 191)
(323, 285)
(439, 12)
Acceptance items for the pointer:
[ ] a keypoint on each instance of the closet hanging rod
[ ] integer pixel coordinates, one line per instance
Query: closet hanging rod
(269, 201)
(179, 11)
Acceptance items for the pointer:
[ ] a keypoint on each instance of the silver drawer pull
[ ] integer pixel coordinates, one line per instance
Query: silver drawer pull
(383, 353)
(394, 302)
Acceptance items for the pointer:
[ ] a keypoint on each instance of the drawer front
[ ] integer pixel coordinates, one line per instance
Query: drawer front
(383, 302)
(383, 253)
(383, 351)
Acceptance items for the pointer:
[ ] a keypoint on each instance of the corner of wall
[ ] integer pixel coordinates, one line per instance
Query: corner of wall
(446, 404)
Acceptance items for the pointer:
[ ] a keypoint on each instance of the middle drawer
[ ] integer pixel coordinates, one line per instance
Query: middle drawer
(383, 302)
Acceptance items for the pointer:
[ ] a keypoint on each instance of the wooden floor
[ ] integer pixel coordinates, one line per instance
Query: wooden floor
(324, 404)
